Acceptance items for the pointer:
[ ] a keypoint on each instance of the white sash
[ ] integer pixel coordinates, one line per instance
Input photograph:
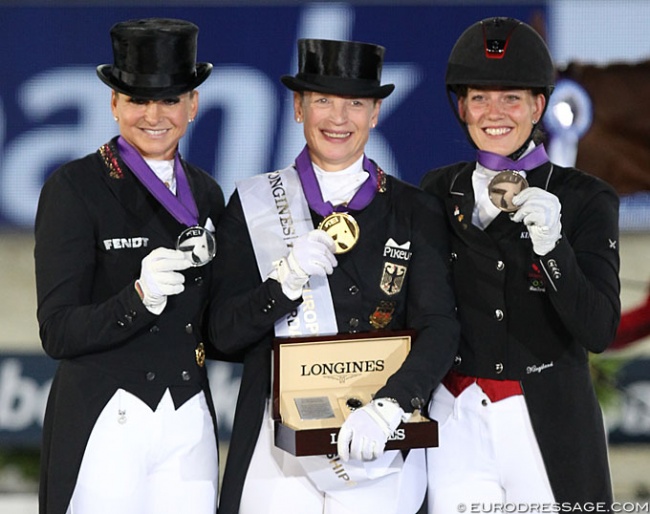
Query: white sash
(276, 213)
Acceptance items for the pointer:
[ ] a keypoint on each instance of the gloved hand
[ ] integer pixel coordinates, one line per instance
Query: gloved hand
(312, 254)
(540, 212)
(159, 277)
(364, 434)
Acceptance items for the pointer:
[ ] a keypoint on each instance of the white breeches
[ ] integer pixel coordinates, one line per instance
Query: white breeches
(277, 483)
(488, 453)
(142, 462)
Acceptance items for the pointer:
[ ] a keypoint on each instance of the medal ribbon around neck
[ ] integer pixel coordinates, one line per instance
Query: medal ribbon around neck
(197, 242)
(340, 225)
(496, 162)
(182, 205)
(310, 186)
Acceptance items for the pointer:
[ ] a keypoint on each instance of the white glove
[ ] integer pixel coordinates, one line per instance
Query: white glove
(159, 277)
(364, 434)
(312, 254)
(540, 212)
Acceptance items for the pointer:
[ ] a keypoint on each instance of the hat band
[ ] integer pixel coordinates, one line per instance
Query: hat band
(153, 81)
(338, 82)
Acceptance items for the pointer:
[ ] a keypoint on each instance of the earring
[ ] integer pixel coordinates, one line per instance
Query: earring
(298, 119)
(373, 125)
(190, 120)
(116, 118)
(534, 122)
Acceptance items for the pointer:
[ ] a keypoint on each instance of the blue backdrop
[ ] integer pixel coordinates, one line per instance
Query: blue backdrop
(54, 109)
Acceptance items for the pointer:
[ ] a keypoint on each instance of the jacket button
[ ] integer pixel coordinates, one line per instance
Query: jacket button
(498, 315)
(189, 328)
(484, 402)
(454, 256)
(270, 303)
(353, 290)
(155, 329)
(198, 281)
(150, 376)
(457, 360)
(185, 375)
(354, 322)
(498, 367)
(500, 265)
(417, 403)
(120, 323)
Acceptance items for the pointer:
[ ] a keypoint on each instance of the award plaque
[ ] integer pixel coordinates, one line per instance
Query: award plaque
(319, 381)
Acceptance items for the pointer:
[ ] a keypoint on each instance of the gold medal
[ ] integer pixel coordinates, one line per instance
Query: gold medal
(343, 228)
(504, 186)
(199, 354)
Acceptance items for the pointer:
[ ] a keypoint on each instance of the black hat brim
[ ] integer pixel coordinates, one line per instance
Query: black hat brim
(105, 74)
(337, 86)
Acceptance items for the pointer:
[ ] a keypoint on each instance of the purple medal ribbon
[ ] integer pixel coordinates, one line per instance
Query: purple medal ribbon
(310, 186)
(182, 205)
(496, 162)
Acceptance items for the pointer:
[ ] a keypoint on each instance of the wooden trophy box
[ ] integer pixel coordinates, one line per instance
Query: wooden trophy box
(318, 381)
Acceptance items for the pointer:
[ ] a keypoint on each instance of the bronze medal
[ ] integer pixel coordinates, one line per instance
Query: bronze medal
(343, 229)
(504, 186)
(199, 354)
(198, 244)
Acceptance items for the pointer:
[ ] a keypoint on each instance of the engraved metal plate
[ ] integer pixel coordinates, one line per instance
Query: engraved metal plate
(314, 407)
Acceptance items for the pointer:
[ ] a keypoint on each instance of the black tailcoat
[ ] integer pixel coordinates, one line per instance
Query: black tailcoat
(534, 319)
(95, 223)
(243, 317)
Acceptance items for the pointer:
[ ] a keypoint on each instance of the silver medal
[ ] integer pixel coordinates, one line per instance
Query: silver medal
(198, 244)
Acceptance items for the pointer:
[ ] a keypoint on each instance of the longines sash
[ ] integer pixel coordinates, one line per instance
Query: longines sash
(276, 213)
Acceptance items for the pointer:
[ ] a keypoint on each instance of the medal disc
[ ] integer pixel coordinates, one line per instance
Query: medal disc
(343, 228)
(503, 187)
(198, 244)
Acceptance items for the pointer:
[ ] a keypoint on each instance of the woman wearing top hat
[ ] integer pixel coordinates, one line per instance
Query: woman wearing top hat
(122, 239)
(281, 273)
(535, 264)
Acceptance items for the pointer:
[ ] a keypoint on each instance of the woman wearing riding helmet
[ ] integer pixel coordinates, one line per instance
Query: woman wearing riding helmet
(536, 290)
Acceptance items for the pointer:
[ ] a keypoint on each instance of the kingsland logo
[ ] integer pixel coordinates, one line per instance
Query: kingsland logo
(341, 368)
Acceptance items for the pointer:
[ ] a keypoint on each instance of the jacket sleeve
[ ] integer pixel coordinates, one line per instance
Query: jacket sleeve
(582, 272)
(71, 324)
(244, 309)
(431, 309)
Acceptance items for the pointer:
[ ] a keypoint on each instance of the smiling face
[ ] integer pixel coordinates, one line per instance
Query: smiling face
(500, 121)
(154, 127)
(336, 128)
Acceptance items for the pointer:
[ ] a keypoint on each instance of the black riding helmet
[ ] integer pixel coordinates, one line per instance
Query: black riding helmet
(500, 53)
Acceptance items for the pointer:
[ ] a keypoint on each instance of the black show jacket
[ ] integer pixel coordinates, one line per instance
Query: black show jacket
(95, 223)
(534, 319)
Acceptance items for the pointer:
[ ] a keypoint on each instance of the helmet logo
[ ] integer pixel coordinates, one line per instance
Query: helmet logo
(495, 48)
(496, 41)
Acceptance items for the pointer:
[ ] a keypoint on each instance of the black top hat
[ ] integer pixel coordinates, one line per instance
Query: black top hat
(154, 58)
(345, 68)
